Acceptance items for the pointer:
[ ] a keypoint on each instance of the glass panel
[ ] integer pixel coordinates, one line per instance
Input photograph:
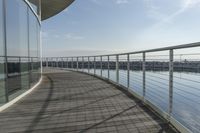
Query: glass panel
(34, 47)
(1, 30)
(24, 72)
(2, 76)
(38, 50)
(2, 82)
(14, 79)
(17, 37)
(17, 47)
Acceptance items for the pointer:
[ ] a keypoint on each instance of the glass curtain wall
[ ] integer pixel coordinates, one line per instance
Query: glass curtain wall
(22, 48)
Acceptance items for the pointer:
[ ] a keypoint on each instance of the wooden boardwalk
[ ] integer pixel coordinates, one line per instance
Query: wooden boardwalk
(70, 102)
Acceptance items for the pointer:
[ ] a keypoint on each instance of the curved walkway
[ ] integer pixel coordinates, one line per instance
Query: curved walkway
(70, 102)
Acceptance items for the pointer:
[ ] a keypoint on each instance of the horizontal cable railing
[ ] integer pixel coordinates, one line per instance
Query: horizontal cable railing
(167, 79)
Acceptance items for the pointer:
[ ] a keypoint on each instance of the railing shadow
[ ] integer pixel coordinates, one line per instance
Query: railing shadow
(84, 105)
(37, 119)
(138, 103)
(70, 96)
(109, 118)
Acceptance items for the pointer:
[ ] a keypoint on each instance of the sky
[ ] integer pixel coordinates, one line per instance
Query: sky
(94, 27)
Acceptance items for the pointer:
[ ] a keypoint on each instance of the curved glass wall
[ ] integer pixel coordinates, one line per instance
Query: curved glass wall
(22, 32)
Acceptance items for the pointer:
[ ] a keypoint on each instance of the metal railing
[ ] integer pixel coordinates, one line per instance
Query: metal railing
(164, 78)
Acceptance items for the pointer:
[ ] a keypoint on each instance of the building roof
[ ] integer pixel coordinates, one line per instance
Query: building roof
(50, 8)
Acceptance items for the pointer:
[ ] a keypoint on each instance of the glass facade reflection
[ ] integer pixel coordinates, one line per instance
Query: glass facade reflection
(19, 49)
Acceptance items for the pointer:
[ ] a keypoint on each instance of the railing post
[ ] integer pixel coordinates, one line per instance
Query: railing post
(88, 64)
(47, 63)
(57, 63)
(128, 71)
(72, 63)
(117, 69)
(62, 63)
(77, 65)
(67, 63)
(52, 62)
(101, 65)
(144, 75)
(94, 65)
(82, 63)
(171, 69)
(108, 67)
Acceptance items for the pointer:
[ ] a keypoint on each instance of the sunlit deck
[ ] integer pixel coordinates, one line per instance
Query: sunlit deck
(74, 102)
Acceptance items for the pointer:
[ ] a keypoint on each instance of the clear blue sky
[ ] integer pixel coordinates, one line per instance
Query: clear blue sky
(91, 27)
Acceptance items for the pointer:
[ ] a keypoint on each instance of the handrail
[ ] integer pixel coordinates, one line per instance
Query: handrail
(190, 45)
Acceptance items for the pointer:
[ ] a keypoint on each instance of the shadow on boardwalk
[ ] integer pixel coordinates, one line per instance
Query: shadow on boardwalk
(78, 103)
